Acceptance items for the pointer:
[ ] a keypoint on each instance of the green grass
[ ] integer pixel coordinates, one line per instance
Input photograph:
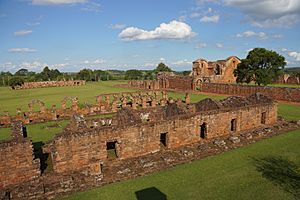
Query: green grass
(231, 175)
(289, 112)
(10, 99)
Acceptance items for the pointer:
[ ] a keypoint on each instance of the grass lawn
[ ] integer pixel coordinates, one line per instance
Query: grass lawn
(10, 99)
(231, 175)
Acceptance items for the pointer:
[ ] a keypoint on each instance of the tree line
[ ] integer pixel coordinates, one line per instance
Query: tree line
(24, 75)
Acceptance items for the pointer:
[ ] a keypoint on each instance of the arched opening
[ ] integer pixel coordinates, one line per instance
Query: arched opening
(203, 130)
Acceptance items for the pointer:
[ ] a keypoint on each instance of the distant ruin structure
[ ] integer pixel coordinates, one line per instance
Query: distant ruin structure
(218, 77)
(220, 71)
(44, 84)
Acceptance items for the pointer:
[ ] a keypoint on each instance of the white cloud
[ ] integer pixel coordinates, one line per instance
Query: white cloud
(33, 23)
(57, 2)
(32, 66)
(247, 34)
(172, 30)
(219, 45)
(117, 26)
(94, 62)
(60, 65)
(213, 18)
(195, 15)
(22, 50)
(269, 13)
(284, 49)
(295, 55)
(184, 62)
(201, 45)
(201, 2)
(92, 7)
(22, 32)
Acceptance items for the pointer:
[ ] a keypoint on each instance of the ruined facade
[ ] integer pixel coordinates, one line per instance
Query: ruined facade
(220, 71)
(288, 79)
(42, 84)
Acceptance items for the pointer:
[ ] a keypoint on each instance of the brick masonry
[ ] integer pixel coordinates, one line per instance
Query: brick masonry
(43, 84)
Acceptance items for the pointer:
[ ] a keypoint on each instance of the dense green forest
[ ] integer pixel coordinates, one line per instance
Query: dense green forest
(24, 75)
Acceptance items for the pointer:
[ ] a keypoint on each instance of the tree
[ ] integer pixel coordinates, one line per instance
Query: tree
(261, 66)
(133, 74)
(16, 80)
(161, 67)
(85, 74)
(21, 72)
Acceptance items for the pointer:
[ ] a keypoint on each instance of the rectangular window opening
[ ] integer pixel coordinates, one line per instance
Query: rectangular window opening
(263, 117)
(163, 139)
(233, 125)
(111, 150)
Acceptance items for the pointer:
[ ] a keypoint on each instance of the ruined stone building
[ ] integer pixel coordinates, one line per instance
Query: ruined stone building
(87, 151)
(220, 71)
(43, 84)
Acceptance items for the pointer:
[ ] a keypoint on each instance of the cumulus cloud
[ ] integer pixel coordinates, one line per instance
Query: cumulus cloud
(183, 62)
(94, 62)
(92, 7)
(201, 45)
(172, 30)
(22, 50)
(57, 2)
(269, 13)
(22, 32)
(117, 26)
(32, 66)
(213, 18)
(247, 34)
(295, 55)
(219, 45)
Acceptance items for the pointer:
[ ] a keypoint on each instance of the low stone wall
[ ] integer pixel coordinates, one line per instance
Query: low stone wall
(42, 84)
(276, 93)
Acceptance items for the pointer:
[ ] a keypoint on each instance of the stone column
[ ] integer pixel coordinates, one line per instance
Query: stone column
(187, 99)
(144, 102)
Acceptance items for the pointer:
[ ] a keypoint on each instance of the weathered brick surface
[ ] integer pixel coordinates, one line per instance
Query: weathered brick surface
(42, 84)
(17, 163)
(277, 93)
(76, 150)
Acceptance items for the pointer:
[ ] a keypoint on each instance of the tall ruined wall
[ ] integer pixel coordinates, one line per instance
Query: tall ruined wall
(180, 83)
(276, 93)
(17, 163)
(42, 84)
(87, 149)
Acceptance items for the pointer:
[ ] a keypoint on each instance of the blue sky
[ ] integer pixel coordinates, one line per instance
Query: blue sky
(109, 34)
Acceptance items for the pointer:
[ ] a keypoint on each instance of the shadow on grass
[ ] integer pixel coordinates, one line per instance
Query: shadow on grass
(281, 172)
(151, 193)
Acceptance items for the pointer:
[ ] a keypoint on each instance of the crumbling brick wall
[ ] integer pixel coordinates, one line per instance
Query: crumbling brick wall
(42, 84)
(276, 93)
(17, 163)
(86, 148)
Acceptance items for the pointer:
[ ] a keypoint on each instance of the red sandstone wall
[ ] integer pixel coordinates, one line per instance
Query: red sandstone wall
(86, 150)
(16, 162)
(180, 83)
(276, 93)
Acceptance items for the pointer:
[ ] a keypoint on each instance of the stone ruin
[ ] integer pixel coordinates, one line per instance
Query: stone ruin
(105, 104)
(94, 152)
(43, 84)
